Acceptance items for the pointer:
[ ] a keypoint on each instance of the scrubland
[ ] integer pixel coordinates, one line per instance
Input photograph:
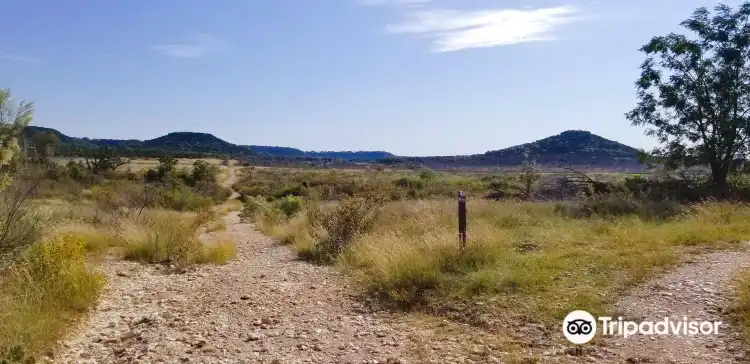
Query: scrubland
(59, 222)
(528, 259)
(535, 250)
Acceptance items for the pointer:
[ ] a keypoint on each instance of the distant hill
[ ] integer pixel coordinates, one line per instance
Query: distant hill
(573, 147)
(190, 144)
(294, 152)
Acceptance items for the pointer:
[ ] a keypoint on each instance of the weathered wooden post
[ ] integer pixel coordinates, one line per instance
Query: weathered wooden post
(461, 220)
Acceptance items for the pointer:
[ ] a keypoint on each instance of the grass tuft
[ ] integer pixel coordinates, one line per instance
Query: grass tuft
(169, 237)
(44, 291)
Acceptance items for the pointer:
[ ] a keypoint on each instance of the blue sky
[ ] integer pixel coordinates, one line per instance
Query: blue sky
(413, 77)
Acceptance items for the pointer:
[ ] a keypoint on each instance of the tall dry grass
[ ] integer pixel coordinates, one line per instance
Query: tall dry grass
(740, 308)
(47, 288)
(169, 237)
(531, 261)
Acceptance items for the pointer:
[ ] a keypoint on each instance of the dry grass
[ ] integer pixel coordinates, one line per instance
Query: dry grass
(44, 291)
(740, 309)
(528, 260)
(169, 237)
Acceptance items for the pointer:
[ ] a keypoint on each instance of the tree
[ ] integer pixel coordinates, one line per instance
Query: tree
(694, 92)
(14, 117)
(103, 160)
(530, 173)
(45, 143)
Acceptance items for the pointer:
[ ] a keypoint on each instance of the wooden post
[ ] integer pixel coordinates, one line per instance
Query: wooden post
(461, 220)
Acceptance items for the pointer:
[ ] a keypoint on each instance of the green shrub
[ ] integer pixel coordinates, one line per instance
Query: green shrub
(183, 198)
(427, 174)
(290, 205)
(351, 218)
(615, 205)
(212, 190)
(252, 207)
(204, 172)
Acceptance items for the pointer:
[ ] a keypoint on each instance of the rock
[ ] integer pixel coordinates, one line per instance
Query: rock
(254, 336)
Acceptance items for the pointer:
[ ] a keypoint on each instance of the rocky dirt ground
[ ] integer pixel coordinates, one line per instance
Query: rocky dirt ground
(700, 290)
(267, 307)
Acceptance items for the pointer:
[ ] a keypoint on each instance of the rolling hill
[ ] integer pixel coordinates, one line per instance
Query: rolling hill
(190, 144)
(574, 147)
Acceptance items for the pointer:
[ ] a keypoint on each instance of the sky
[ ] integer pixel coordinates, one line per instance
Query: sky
(412, 77)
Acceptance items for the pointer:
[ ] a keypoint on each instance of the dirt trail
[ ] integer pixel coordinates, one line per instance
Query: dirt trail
(262, 307)
(700, 290)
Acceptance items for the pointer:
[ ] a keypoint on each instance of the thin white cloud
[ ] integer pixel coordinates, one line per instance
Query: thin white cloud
(393, 2)
(454, 30)
(20, 58)
(198, 47)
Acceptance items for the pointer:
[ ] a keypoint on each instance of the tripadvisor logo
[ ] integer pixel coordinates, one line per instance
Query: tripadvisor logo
(580, 327)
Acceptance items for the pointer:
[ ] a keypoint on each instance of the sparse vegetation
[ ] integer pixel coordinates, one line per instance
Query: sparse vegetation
(43, 292)
(171, 238)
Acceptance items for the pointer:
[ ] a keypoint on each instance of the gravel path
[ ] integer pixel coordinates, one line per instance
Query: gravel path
(700, 290)
(262, 307)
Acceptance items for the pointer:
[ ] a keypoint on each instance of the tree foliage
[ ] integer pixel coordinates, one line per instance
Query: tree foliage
(694, 92)
(45, 143)
(13, 118)
(105, 159)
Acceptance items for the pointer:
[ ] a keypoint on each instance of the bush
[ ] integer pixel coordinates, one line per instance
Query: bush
(615, 205)
(124, 198)
(204, 172)
(183, 198)
(20, 225)
(43, 292)
(351, 218)
(252, 207)
(290, 205)
(212, 190)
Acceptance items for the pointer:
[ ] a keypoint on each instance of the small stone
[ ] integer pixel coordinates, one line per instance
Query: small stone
(254, 336)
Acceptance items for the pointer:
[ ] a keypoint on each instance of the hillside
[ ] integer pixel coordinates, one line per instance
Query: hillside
(574, 147)
(190, 144)
(298, 153)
